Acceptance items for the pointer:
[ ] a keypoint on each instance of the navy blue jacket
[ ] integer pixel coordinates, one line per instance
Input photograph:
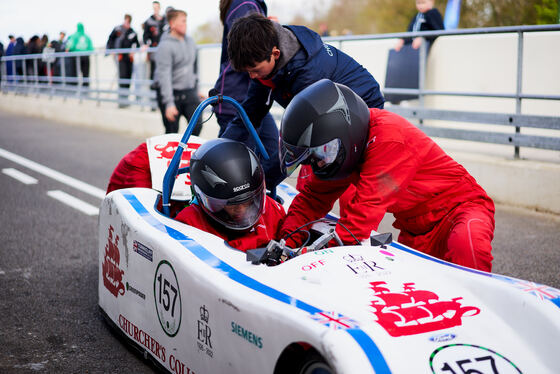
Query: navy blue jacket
(311, 63)
(230, 82)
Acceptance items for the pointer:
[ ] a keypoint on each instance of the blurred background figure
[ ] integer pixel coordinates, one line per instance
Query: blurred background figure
(33, 47)
(428, 18)
(153, 29)
(175, 76)
(59, 45)
(124, 36)
(323, 29)
(19, 49)
(10, 52)
(79, 42)
(1, 54)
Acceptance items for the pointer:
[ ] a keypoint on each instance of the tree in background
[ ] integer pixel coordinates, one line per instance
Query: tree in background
(384, 16)
(483, 13)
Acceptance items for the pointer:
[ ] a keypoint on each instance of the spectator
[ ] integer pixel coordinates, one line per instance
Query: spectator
(44, 43)
(235, 83)
(323, 29)
(10, 52)
(438, 206)
(427, 19)
(33, 48)
(19, 49)
(153, 29)
(123, 36)
(59, 46)
(79, 42)
(282, 61)
(175, 76)
(1, 54)
(245, 217)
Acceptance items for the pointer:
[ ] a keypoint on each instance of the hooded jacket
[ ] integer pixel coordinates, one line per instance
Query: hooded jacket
(315, 60)
(79, 41)
(230, 82)
(175, 66)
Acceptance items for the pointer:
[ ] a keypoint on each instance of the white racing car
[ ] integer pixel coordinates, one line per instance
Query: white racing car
(192, 304)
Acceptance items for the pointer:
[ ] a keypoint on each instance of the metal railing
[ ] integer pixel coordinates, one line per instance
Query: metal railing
(60, 74)
(517, 119)
(29, 81)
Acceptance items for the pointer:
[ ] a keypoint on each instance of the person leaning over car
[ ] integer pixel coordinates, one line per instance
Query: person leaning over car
(231, 202)
(282, 61)
(438, 206)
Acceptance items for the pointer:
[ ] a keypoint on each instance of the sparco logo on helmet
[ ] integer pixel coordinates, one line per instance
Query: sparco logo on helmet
(241, 188)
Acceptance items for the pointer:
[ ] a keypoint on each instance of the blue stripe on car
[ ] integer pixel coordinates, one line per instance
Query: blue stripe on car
(366, 343)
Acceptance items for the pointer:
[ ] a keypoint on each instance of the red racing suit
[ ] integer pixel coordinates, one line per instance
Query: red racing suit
(132, 171)
(438, 206)
(265, 230)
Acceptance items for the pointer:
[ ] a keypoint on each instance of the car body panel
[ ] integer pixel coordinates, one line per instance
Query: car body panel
(364, 308)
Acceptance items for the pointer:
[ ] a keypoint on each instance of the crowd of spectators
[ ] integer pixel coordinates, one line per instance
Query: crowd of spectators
(71, 68)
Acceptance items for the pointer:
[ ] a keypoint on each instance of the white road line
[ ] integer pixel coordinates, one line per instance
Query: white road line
(74, 202)
(22, 177)
(72, 182)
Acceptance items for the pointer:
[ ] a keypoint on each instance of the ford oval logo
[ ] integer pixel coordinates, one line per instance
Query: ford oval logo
(442, 338)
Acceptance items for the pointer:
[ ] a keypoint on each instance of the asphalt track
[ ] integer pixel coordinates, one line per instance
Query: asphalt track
(49, 318)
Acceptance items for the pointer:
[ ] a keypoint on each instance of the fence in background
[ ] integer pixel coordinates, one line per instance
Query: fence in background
(48, 74)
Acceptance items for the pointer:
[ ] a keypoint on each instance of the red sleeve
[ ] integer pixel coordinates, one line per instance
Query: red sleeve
(132, 171)
(315, 200)
(388, 168)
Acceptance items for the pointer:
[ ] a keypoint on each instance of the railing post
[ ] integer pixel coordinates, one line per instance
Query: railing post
(519, 86)
(78, 81)
(97, 77)
(63, 73)
(24, 68)
(49, 79)
(422, 56)
(36, 73)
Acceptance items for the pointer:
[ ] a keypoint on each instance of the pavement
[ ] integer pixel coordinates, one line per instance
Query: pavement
(530, 182)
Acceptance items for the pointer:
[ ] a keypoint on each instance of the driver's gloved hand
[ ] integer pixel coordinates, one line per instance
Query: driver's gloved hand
(296, 240)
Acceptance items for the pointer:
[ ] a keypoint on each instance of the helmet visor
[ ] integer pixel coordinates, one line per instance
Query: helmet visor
(238, 213)
(292, 156)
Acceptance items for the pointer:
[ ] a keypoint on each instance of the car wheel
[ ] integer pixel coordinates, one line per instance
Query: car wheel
(313, 363)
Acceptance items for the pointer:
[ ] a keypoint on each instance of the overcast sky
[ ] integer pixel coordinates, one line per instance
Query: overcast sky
(26, 18)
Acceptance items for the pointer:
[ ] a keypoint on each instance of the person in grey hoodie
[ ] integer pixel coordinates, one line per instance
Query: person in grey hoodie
(175, 75)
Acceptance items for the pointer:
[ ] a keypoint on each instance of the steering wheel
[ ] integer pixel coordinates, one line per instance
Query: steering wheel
(172, 170)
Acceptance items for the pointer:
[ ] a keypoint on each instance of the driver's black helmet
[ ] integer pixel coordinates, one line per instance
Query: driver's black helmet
(325, 125)
(228, 182)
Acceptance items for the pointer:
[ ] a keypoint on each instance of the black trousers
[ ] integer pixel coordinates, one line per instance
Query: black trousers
(72, 72)
(186, 102)
(125, 70)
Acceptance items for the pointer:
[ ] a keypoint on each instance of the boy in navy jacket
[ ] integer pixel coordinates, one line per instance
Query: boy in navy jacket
(282, 61)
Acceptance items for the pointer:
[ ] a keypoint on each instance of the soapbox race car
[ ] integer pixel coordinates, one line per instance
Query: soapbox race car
(192, 304)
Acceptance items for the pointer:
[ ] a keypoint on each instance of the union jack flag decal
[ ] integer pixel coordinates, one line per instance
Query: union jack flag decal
(334, 320)
(539, 290)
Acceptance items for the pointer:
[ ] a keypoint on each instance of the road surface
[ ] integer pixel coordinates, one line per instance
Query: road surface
(53, 178)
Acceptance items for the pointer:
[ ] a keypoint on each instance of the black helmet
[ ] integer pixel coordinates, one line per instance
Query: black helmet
(325, 125)
(228, 182)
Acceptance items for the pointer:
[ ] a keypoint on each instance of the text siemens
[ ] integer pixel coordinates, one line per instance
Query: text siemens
(247, 335)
